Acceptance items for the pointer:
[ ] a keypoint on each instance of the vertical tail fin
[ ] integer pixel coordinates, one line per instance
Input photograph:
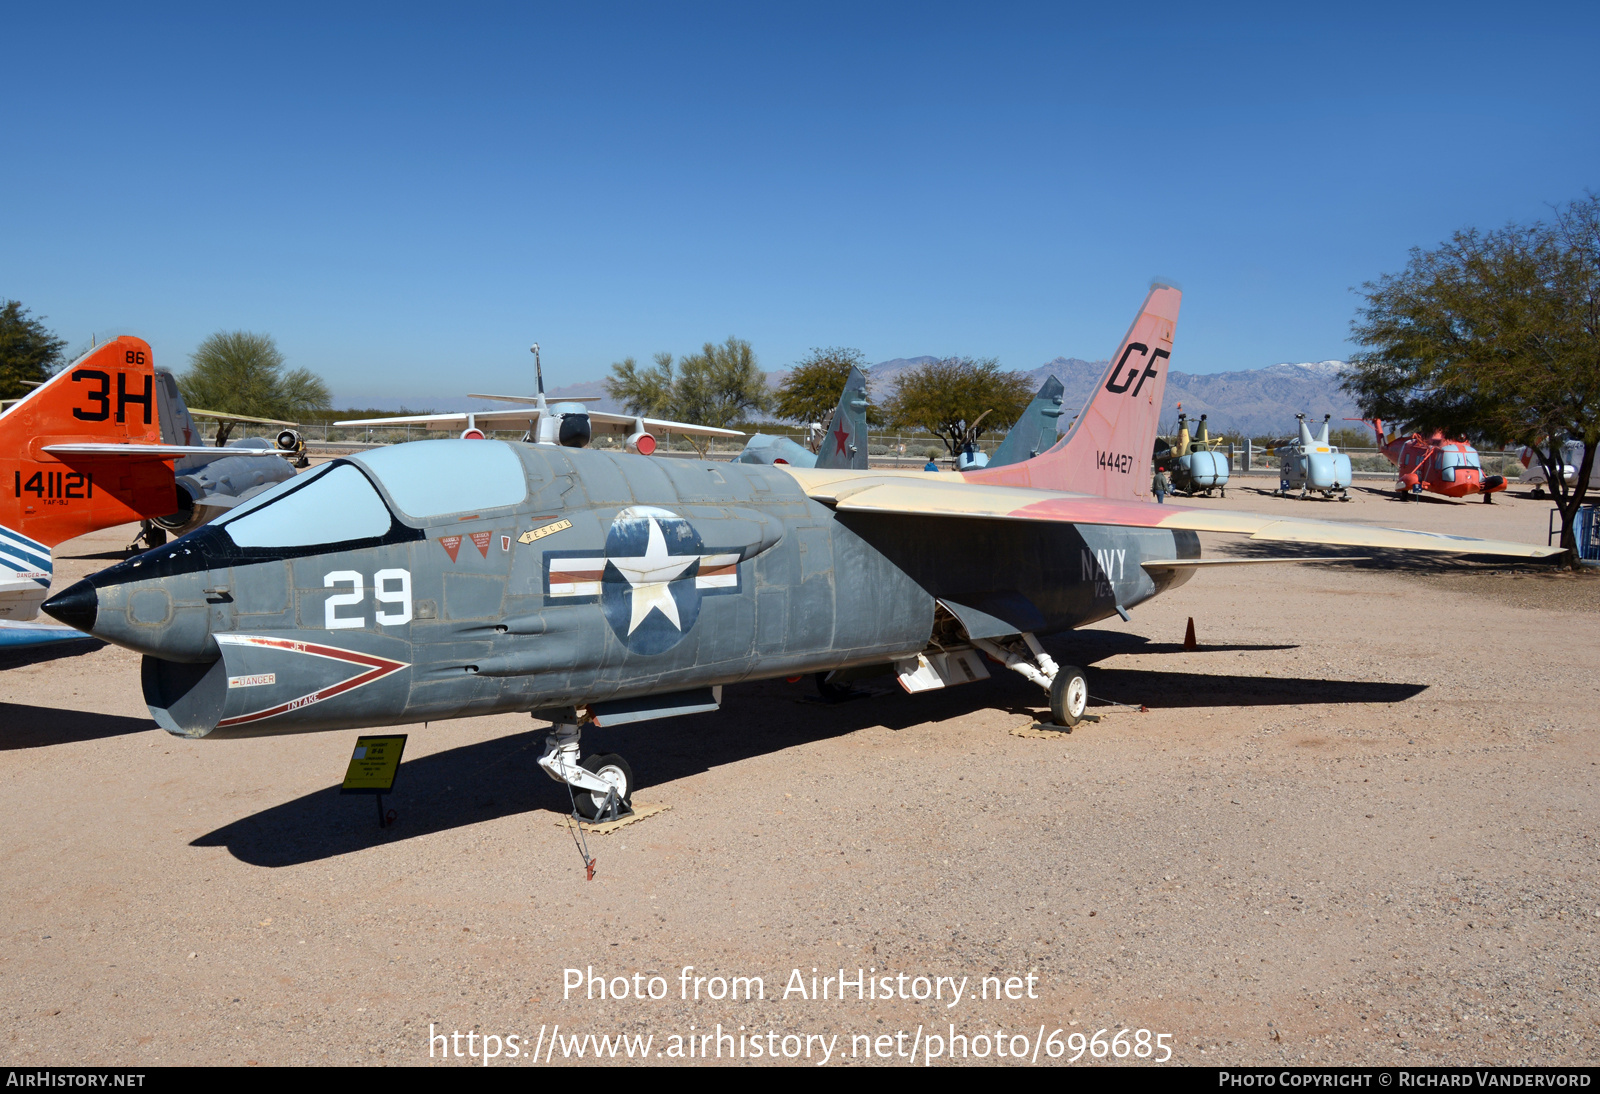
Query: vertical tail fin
(1037, 429)
(107, 396)
(177, 424)
(1108, 449)
(845, 443)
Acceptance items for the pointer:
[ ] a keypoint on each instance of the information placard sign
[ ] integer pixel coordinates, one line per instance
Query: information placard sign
(374, 765)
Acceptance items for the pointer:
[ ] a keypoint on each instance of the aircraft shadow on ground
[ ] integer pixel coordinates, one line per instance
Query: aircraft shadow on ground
(1087, 647)
(1379, 558)
(24, 726)
(17, 656)
(1177, 690)
(1428, 497)
(499, 778)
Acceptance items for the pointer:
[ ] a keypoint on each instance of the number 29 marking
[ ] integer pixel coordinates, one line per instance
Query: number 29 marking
(381, 592)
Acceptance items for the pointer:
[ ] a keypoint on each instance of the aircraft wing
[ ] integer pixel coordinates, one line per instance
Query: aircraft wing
(946, 496)
(602, 422)
(153, 451)
(224, 417)
(599, 422)
(533, 400)
(451, 422)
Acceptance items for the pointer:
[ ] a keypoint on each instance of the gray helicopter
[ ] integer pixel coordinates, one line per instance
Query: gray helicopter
(1312, 464)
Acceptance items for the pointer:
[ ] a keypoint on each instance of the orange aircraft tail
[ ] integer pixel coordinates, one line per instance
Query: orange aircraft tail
(108, 396)
(1107, 450)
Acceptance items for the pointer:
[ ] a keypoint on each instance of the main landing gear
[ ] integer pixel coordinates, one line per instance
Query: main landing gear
(601, 785)
(150, 534)
(1067, 684)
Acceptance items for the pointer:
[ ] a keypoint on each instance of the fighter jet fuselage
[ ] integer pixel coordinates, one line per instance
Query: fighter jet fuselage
(444, 579)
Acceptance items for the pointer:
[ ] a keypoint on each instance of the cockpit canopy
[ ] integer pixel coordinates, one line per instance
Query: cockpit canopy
(1450, 459)
(338, 503)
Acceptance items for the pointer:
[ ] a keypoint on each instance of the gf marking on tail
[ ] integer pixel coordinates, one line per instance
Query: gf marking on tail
(1149, 372)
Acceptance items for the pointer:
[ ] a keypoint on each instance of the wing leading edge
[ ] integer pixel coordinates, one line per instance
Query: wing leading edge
(600, 422)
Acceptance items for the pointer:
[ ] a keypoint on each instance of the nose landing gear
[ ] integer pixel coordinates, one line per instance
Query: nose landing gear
(601, 786)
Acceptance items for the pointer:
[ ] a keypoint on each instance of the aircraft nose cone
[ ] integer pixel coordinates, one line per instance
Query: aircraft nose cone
(76, 606)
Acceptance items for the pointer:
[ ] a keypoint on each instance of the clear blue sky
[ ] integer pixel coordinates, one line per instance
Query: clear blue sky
(405, 198)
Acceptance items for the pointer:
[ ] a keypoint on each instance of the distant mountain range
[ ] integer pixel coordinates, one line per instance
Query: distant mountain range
(1258, 402)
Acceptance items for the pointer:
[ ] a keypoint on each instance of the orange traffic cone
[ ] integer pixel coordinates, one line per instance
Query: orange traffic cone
(1188, 637)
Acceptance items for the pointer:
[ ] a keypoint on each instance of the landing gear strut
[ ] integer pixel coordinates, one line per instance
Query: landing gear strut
(150, 534)
(601, 785)
(1067, 684)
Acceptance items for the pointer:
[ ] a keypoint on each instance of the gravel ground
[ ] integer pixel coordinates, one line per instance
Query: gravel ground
(1357, 826)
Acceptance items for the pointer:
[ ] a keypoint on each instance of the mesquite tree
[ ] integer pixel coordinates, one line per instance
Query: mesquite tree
(958, 399)
(1494, 335)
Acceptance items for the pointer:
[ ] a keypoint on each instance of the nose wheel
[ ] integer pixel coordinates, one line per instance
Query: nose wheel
(614, 771)
(601, 785)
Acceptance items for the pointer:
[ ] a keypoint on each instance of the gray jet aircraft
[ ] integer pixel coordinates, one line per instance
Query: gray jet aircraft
(1036, 431)
(567, 423)
(844, 441)
(449, 578)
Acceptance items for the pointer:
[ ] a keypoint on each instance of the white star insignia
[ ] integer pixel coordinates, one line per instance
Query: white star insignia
(650, 574)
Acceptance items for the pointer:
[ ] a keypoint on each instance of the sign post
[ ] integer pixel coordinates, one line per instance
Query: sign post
(373, 767)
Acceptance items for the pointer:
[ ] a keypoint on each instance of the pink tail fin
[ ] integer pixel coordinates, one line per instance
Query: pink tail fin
(1107, 451)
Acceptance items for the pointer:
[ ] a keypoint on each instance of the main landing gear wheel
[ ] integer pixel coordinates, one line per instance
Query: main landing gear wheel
(612, 769)
(1069, 696)
(831, 692)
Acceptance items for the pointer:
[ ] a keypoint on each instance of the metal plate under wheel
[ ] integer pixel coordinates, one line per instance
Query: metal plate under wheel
(1046, 731)
(640, 812)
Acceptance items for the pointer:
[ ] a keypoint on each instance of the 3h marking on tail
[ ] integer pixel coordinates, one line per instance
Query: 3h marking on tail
(103, 396)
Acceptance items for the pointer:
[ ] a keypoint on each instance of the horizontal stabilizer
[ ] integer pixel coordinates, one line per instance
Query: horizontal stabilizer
(533, 400)
(224, 416)
(14, 634)
(152, 451)
(511, 419)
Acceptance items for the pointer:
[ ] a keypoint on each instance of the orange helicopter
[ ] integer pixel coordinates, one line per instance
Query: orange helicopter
(1436, 464)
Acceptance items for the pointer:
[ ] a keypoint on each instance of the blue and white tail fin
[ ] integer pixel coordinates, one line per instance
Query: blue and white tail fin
(25, 570)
